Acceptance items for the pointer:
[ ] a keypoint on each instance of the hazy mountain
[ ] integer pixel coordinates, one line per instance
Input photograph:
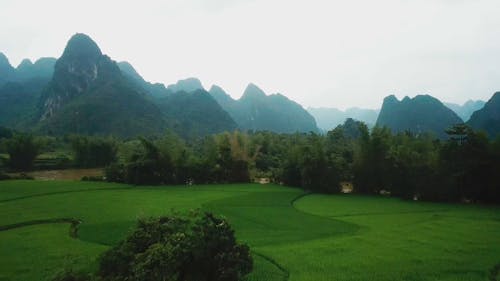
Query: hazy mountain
(420, 114)
(257, 111)
(157, 90)
(20, 90)
(221, 97)
(465, 111)
(18, 102)
(42, 68)
(329, 118)
(195, 113)
(6, 70)
(488, 118)
(89, 95)
(186, 85)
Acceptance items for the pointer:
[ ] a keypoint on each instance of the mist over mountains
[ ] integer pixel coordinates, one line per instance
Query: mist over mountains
(465, 110)
(86, 92)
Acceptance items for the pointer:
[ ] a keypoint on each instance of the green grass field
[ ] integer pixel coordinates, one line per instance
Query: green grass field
(293, 236)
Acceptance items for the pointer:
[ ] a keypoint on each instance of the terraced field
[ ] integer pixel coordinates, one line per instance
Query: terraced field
(293, 235)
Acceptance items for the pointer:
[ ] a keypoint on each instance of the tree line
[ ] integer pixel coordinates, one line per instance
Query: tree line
(407, 165)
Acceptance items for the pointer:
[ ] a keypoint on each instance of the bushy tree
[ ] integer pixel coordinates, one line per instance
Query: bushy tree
(199, 247)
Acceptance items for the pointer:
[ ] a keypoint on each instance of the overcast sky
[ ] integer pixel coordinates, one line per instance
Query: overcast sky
(319, 53)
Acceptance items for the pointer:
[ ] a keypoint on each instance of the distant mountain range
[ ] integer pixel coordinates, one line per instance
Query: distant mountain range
(26, 70)
(86, 92)
(257, 111)
(465, 111)
(329, 118)
(418, 115)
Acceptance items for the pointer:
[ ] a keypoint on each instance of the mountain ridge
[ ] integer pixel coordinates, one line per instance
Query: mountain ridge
(420, 114)
(257, 111)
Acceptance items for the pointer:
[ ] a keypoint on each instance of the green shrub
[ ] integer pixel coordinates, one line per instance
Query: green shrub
(198, 247)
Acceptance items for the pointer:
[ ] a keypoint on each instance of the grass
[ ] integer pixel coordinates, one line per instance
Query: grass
(314, 237)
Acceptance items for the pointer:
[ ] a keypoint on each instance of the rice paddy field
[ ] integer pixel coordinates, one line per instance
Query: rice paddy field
(293, 235)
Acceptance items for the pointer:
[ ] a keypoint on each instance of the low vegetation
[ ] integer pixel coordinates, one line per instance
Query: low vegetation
(199, 246)
(290, 233)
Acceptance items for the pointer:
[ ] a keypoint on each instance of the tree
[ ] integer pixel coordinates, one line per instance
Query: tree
(199, 247)
(22, 150)
(371, 163)
(93, 151)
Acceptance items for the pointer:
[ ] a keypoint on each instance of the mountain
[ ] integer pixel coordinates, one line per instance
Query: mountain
(465, 111)
(6, 70)
(420, 114)
(195, 113)
(20, 90)
(18, 102)
(488, 118)
(156, 90)
(186, 85)
(257, 111)
(89, 95)
(42, 68)
(329, 118)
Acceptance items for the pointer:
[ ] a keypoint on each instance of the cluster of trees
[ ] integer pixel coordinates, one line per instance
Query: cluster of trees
(22, 151)
(220, 158)
(198, 246)
(406, 165)
(84, 151)
(461, 168)
(409, 166)
(91, 152)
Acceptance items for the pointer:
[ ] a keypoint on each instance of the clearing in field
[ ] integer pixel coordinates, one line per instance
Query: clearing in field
(293, 235)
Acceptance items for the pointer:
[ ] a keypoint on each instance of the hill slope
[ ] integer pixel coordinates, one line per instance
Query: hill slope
(259, 112)
(488, 118)
(420, 114)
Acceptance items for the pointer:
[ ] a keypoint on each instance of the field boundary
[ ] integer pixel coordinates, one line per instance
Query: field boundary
(62, 192)
(359, 214)
(73, 229)
(298, 197)
(286, 273)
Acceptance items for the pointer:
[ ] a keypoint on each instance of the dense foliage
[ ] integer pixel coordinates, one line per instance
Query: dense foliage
(93, 152)
(377, 161)
(22, 150)
(199, 246)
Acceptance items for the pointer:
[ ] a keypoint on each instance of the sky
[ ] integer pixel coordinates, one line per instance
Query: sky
(319, 53)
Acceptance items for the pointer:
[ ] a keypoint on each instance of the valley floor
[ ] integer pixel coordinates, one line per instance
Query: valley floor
(293, 235)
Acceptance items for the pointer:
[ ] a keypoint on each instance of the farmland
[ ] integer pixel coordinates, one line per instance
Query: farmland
(293, 235)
